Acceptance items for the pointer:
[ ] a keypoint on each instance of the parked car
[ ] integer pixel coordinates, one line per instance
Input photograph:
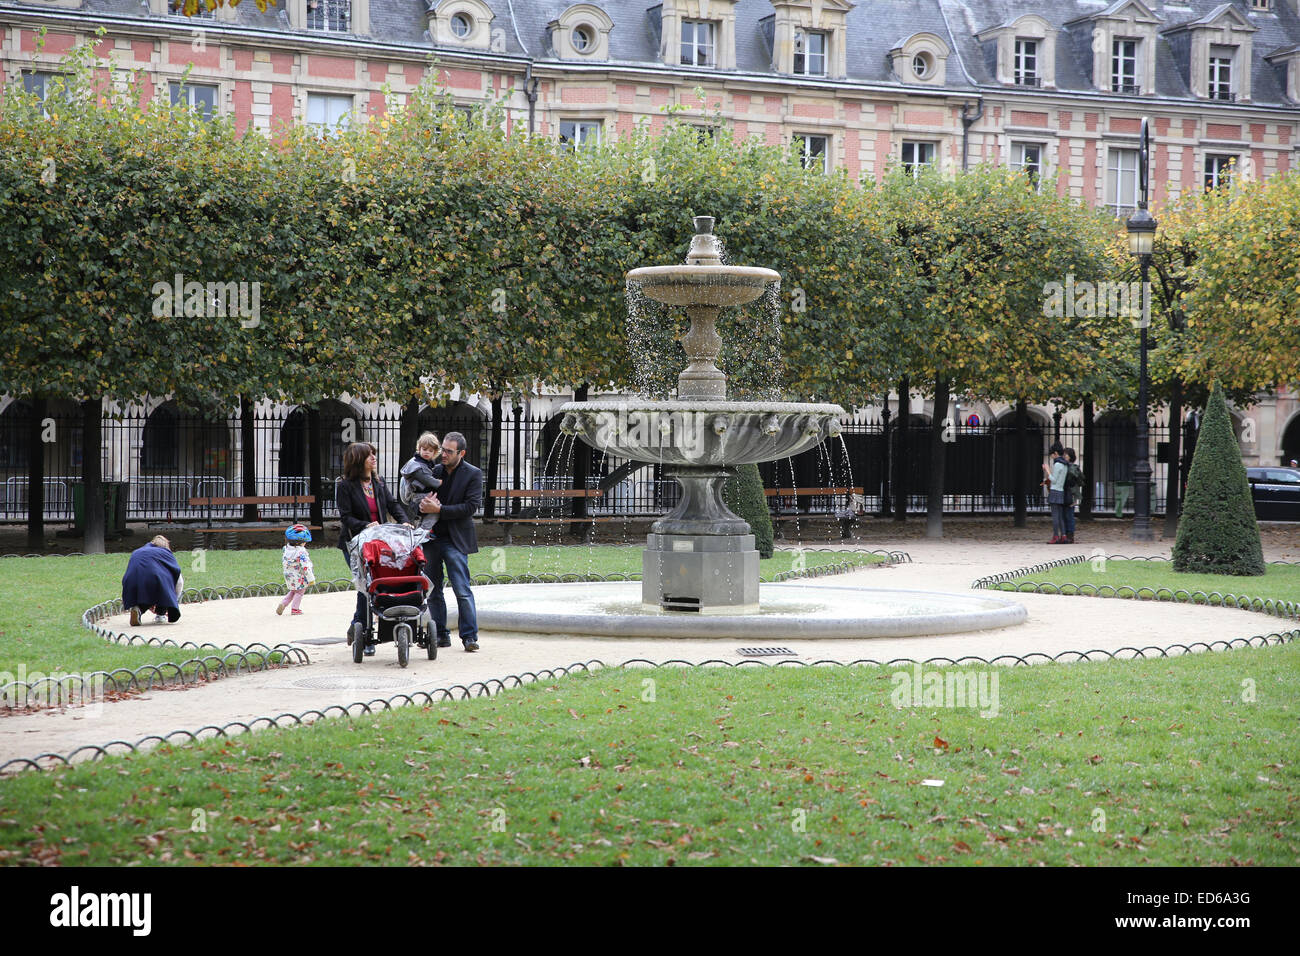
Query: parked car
(1276, 492)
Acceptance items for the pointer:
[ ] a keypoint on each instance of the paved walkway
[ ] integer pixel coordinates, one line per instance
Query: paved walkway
(1055, 624)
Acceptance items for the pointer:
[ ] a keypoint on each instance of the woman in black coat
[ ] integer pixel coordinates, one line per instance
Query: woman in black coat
(363, 500)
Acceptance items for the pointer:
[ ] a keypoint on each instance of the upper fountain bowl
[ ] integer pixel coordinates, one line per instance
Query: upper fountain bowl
(704, 280)
(707, 285)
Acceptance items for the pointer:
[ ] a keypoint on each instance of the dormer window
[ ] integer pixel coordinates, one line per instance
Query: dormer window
(457, 23)
(1287, 59)
(694, 33)
(1026, 65)
(1261, 6)
(921, 58)
(1124, 66)
(581, 33)
(1123, 46)
(1220, 87)
(808, 37)
(810, 53)
(1213, 53)
(1024, 51)
(698, 43)
(177, 9)
(329, 16)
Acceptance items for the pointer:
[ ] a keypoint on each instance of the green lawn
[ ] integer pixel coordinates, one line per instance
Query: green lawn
(43, 631)
(1182, 761)
(1281, 581)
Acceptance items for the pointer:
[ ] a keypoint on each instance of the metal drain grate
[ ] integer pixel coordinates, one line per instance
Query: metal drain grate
(321, 640)
(765, 652)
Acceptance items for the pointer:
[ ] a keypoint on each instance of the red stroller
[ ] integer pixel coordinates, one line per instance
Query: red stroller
(397, 599)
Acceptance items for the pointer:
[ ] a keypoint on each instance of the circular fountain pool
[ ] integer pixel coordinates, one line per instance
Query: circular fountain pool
(788, 611)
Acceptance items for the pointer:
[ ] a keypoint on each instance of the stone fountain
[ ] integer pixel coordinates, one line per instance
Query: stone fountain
(701, 557)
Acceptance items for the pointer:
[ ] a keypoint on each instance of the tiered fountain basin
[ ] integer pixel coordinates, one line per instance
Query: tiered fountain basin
(701, 557)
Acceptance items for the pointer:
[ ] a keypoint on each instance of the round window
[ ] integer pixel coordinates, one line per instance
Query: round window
(461, 25)
(921, 66)
(583, 40)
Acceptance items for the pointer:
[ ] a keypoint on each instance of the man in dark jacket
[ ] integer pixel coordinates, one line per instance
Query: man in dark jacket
(151, 580)
(454, 539)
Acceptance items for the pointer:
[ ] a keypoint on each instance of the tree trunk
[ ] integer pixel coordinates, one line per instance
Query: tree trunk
(1021, 462)
(1086, 501)
(36, 478)
(1173, 498)
(885, 508)
(92, 431)
(938, 458)
(494, 459)
(900, 452)
(248, 454)
(581, 457)
(314, 465)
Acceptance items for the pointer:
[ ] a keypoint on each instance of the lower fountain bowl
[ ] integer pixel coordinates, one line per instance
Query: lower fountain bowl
(701, 433)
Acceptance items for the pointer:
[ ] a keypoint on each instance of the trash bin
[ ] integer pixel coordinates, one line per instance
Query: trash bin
(116, 497)
(1123, 492)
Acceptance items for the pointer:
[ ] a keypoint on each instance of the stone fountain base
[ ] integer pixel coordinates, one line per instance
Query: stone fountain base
(708, 573)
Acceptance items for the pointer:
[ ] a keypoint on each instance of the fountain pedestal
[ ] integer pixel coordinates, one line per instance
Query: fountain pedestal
(708, 573)
(700, 556)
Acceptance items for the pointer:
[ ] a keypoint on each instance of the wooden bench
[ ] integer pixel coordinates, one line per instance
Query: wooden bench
(775, 496)
(556, 498)
(210, 501)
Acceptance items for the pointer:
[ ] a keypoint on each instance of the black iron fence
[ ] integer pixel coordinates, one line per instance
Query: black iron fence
(162, 456)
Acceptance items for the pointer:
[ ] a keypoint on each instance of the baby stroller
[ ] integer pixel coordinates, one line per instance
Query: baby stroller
(387, 563)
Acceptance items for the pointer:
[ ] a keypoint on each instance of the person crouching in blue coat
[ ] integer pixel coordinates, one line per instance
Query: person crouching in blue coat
(152, 581)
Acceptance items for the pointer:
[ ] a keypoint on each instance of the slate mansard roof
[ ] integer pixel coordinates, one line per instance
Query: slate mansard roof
(873, 28)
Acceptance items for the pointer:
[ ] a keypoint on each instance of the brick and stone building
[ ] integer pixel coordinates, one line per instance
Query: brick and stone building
(1057, 87)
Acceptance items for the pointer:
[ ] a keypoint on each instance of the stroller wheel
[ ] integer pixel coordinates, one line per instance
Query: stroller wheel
(358, 632)
(402, 638)
(431, 642)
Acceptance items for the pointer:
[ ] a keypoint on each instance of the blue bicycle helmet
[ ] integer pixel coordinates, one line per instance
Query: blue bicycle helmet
(298, 534)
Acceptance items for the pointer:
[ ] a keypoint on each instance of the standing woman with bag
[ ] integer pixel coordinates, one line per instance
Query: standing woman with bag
(363, 500)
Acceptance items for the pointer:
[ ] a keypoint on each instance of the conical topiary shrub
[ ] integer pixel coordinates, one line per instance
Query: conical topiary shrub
(1218, 533)
(744, 496)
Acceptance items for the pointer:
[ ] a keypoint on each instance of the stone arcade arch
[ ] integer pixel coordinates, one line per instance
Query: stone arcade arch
(470, 420)
(1003, 465)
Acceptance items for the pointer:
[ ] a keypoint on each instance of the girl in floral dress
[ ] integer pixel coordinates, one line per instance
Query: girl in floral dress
(298, 572)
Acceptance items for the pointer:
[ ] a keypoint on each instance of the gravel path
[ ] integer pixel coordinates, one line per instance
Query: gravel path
(1055, 624)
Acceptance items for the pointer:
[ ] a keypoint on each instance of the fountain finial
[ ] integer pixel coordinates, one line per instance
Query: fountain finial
(705, 249)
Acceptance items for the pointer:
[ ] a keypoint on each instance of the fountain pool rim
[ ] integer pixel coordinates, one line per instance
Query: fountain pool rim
(844, 613)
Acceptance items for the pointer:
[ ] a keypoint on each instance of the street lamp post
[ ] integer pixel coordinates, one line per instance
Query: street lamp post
(1141, 242)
